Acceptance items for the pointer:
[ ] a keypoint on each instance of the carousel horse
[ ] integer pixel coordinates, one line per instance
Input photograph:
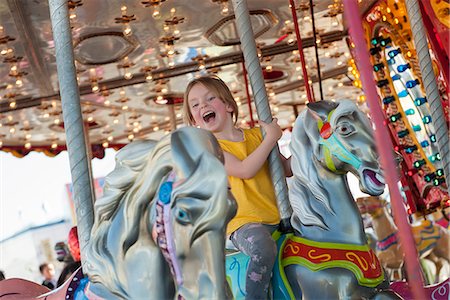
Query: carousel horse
(327, 257)
(432, 240)
(159, 230)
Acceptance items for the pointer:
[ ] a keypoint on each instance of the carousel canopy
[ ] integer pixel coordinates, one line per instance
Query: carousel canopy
(135, 58)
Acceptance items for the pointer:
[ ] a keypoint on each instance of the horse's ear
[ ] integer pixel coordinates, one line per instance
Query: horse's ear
(188, 145)
(320, 109)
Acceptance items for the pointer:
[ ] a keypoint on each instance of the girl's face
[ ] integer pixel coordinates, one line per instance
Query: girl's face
(208, 111)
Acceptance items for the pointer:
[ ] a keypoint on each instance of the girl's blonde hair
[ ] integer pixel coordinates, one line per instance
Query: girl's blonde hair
(218, 88)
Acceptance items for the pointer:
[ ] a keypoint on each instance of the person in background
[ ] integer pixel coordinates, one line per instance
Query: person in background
(48, 271)
(74, 262)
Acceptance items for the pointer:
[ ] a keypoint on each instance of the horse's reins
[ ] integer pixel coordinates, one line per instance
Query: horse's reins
(163, 227)
(332, 146)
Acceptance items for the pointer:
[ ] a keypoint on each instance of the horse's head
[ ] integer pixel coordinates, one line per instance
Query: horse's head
(194, 206)
(168, 198)
(342, 140)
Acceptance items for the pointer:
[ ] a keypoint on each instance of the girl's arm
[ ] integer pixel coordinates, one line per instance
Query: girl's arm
(248, 167)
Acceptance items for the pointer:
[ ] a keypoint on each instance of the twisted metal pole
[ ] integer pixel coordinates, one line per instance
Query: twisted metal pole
(430, 84)
(384, 146)
(73, 122)
(254, 70)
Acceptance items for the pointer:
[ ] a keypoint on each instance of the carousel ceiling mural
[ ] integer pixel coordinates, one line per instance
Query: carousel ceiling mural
(135, 58)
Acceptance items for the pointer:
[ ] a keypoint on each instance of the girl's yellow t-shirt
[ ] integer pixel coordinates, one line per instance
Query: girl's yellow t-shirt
(256, 196)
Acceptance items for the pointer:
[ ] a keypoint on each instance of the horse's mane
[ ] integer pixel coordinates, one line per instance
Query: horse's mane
(306, 167)
(123, 214)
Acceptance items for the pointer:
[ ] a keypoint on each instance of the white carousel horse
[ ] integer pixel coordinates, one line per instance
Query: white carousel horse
(173, 191)
(329, 257)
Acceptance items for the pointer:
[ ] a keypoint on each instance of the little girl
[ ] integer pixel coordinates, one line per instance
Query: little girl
(209, 104)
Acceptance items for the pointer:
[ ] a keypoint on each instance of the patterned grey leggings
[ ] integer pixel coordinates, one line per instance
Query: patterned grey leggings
(255, 240)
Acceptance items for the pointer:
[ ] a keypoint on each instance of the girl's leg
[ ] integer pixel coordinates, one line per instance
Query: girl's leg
(255, 240)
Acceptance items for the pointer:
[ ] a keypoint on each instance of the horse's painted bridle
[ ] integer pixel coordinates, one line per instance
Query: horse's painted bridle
(164, 230)
(333, 147)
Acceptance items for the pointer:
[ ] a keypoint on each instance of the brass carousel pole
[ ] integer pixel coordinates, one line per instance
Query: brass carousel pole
(254, 70)
(79, 159)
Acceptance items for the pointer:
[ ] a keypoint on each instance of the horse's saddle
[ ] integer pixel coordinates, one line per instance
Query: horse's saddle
(316, 256)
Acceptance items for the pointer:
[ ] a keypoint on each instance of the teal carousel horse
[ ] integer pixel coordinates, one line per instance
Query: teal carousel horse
(327, 256)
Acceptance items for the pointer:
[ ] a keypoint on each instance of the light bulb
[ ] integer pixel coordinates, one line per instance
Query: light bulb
(128, 75)
(149, 77)
(156, 14)
(105, 144)
(224, 10)
(127, 30)
(54, 146)
(95, 87)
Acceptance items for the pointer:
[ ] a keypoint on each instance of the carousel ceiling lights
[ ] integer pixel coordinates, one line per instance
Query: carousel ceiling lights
(200, 59)
(224, 10)
(125, 20)
(73, 4)
(169, 48)
(125, 66)
(155, 4)
(147, 70)
(94, 80)
(171, 24)
(4, 39)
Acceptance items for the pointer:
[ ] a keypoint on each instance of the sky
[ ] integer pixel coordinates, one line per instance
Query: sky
(33, 189)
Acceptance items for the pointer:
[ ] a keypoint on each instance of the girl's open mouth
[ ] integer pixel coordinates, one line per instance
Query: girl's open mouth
(209, 116)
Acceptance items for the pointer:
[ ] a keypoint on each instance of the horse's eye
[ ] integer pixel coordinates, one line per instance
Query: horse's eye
(345, 129)
(182, 216)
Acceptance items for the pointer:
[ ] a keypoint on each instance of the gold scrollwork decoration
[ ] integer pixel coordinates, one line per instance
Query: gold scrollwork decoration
(322, 257)
(294, 249)
(351, 256)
